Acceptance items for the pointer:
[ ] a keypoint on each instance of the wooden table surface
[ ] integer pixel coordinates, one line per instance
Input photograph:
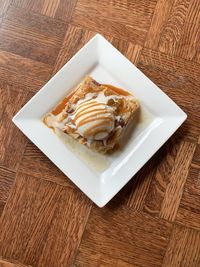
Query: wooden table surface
(46, 221)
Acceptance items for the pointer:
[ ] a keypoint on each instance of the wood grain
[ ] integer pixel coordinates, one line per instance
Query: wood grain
(75, 38)
(189, 211)
(51, 28)
(7, 178)
(23, 71)
(23, 61)
(12, 141)
(41, 222)
(142, 182)
(113, 245)
(163, 167)
(154, 220)
(179, 72)
(190, 130)
(133, 53)
(181, 34)
(178, 177)
(4, 96)
(186, 243)
(180, 79)
(175, 29)
(128, 19)
(35, 163)
(160, 16)
(61, 10)
(130, 50)
(22, 36)
(7, 263)
(172, 31)
(196, 157)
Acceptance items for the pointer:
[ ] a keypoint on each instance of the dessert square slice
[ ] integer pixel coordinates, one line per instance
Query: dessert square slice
(94, 114)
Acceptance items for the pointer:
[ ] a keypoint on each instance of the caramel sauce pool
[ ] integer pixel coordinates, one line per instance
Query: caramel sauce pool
(117, 90)
(59, 108)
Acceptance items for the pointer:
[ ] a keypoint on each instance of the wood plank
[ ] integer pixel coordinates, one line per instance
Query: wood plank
(49, 8)
(173, 26)
(164, 163)
(196, 157)
(4, 96)
(2, 204)
(65, 10)
(108, 262)
(177, 70)
(188, 213)
(133, 53)
(12, 141)
(129, 20)
(180, 79)
(10, 263)
(130, 50)
(61, 10)
(22, 38)
(175, 29)
(23, 71)
(120, 236)
(188, 100)
(183, 249)
(178, 177)
(134, 193)
(180, 35)
(75, 38)
(42, 223)
(35, 163)
(34, 6)
(35, 22)
(160, 16)
(189, 210)
(192, 184)
(7, 178)
(141, 184)
(124, 196)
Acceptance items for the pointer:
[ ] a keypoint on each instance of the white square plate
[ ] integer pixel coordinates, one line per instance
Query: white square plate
(159, 119)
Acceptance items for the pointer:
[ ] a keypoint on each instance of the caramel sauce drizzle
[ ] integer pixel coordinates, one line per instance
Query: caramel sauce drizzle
(95, 130)
(117, 90)
(59, 108)
(85, 102)
(92, 119)
(97, 111)
(87, 106)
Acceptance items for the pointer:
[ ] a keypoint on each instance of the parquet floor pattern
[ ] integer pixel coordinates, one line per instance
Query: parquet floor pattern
(155, 219)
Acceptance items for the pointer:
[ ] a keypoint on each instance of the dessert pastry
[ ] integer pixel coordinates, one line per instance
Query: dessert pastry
(94, 114)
